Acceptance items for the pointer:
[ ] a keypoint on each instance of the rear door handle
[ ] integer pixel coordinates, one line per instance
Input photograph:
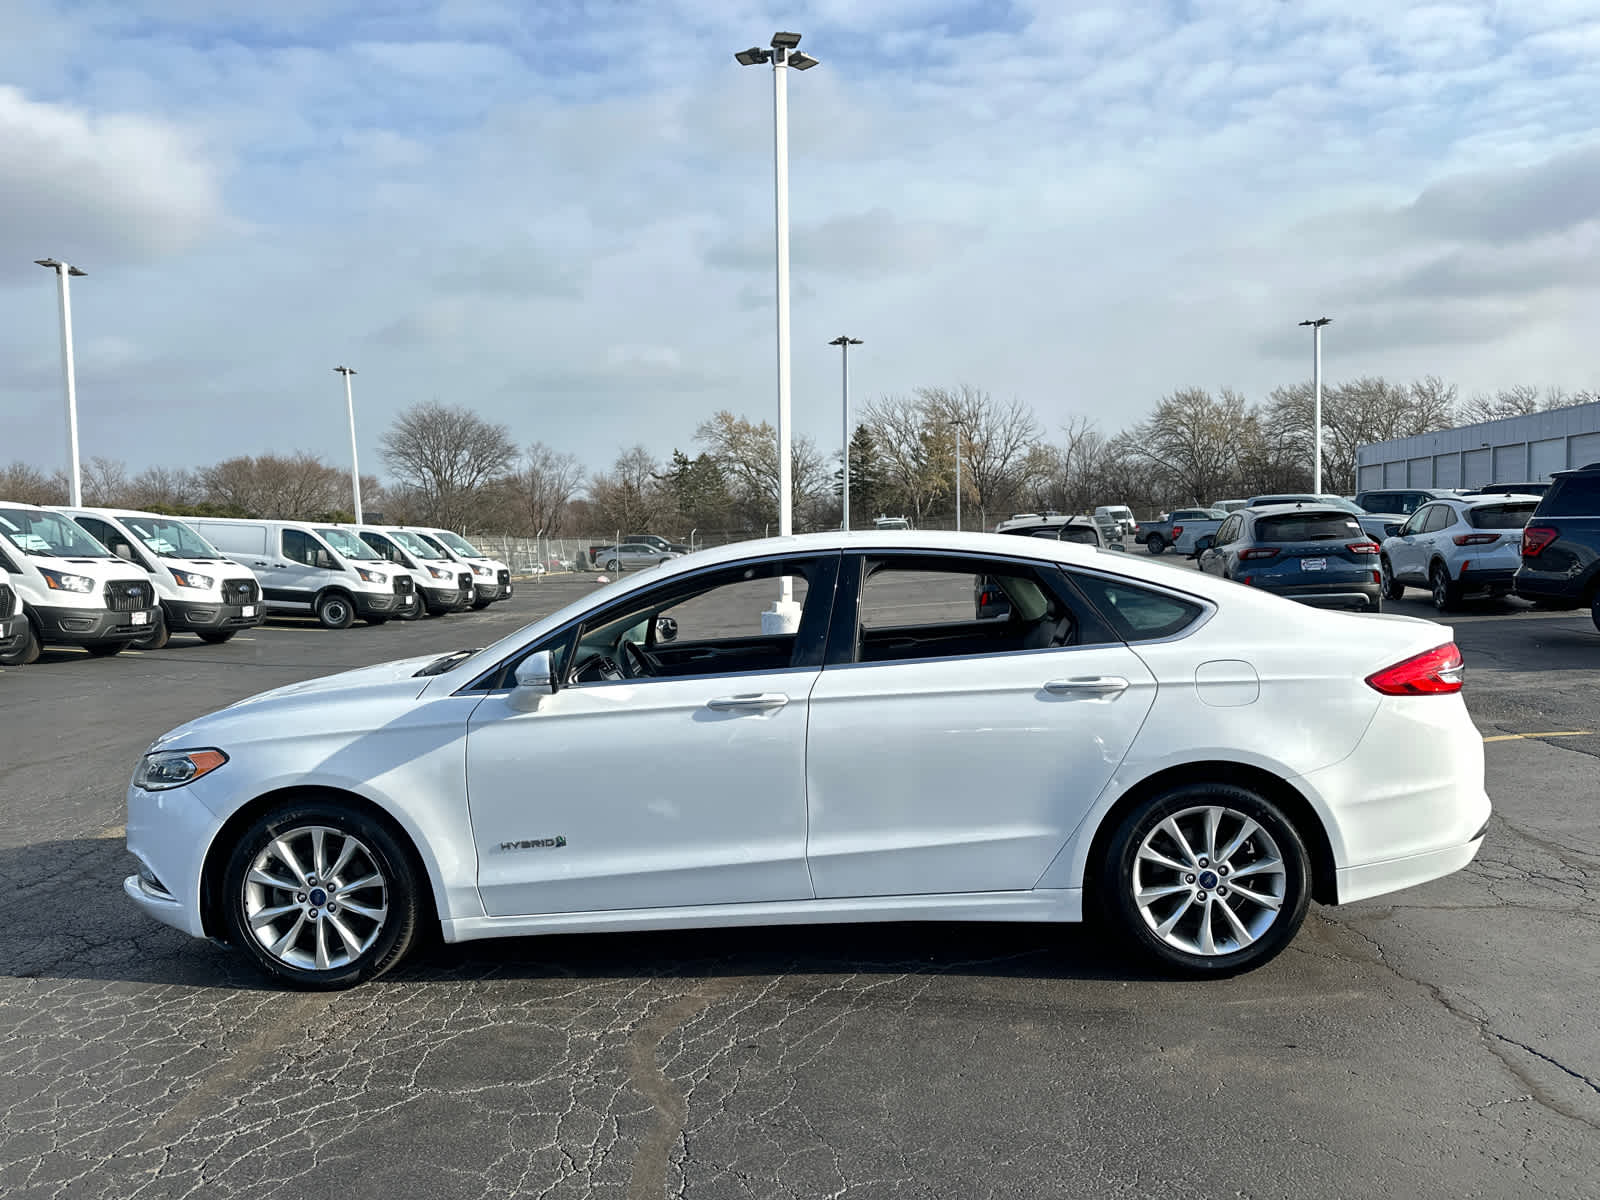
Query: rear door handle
(1088, 685)
(751, 702)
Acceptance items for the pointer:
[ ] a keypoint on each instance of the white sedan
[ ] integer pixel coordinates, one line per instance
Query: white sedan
(1193, 760)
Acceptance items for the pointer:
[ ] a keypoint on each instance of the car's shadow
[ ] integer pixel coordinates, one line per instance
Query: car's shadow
(68, 919)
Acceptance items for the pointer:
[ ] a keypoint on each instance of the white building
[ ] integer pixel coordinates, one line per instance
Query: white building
(1510, 450)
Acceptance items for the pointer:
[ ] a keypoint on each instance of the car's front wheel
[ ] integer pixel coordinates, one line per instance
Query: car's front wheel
(320, 895)
(335, 611)
(1207, 878)
(26, 651)
(1393, 589)
(156, 638)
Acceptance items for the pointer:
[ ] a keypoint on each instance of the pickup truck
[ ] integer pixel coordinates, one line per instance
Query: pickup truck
(1179, 528)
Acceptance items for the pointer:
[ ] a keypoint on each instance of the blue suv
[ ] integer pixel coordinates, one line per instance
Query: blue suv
(1313, 552)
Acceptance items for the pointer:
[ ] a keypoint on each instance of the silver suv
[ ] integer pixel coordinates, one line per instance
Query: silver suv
(1456, 547)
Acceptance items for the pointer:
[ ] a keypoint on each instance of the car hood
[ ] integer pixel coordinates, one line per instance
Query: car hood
(361, 679)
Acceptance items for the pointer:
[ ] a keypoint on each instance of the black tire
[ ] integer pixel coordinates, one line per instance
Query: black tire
(105, 649)
(480, 605)
(1393, 589)
(1446, 592)
(613, 565)
(1156, 544)
(216, 636)
(335, 610)
(156, 638)
(1116, 880)
(27, 652)
(392, 859)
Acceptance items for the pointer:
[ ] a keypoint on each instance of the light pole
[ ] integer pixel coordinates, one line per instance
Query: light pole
(958, 479)
(355, 467)
(1316, 403)
(63, 271)
(782, 56)
(844, 342)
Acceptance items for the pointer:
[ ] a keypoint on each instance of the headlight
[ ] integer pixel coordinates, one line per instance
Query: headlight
(438, 574)
(63, 582)
(372, 576)
(189, 579)
(477, 570)
(166, 769)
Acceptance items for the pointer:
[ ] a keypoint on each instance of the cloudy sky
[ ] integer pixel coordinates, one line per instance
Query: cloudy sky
(560, 211)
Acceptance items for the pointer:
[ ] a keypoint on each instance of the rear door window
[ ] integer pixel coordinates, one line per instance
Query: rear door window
(1572, 496)
(1500, 516)
(1136, 613)
(1308, 527)
(1439, 516)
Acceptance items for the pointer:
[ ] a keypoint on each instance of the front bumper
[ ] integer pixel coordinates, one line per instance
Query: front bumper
(186, 615)
(78, 626)
(443, 600)
(486, 591)
(169, 833)
(378, 604)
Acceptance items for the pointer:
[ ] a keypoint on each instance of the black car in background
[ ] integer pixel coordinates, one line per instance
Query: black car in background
(1561, 544)
(1314, 553)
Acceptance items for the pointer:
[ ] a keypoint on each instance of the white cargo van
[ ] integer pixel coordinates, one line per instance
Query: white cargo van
(444, 584)
(491, 578)
(74, 591)
(200, 591)
(352, 549)
(301, 575)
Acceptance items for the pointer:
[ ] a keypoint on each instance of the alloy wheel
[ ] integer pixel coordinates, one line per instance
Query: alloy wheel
(1209, 881)
(315, 898)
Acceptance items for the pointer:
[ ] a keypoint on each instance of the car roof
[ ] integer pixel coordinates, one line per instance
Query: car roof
(1317, 508)
(1479, 499)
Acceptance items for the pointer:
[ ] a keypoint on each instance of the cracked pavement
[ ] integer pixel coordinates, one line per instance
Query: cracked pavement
(1443, 1041)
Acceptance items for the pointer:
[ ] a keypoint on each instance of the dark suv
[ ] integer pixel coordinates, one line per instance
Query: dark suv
(1561, 544)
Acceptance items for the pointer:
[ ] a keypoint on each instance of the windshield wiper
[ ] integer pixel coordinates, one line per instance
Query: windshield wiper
(440, 665)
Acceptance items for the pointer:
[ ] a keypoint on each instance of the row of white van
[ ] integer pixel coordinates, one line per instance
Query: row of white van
(104, 578)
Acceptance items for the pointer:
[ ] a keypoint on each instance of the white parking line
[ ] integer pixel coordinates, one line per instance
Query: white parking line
(1517, 737)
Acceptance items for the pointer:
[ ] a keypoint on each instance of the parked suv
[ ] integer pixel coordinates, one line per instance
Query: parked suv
(1314, 553)
(1561, 545)
(1466, 544)
(1399, 501)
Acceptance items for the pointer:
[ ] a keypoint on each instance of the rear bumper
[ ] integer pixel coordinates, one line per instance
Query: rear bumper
(78, 626)
(1551, 587)
(1495, 580)
(1375, 879)
(1326, 595)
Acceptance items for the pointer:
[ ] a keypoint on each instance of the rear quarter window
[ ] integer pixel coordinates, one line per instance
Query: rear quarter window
(1573, 496)
(1307, 527)
(1138, 614)
(1500, 516)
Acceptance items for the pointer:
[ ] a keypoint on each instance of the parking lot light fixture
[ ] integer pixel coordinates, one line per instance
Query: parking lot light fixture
(785, 615)
(355, 467)
(1316, 403)
(63, 272)
(844, 342)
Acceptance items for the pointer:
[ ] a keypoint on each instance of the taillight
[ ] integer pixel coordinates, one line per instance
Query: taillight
(1535, 538)
(1362, 547)
(1436, 672)
(1259, 552)
(1177, 532)
(1476, 539)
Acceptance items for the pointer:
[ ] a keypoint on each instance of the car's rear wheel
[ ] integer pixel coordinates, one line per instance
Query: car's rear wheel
(1446, 593)
(1393, 589)
(1156, 544)
(320, 895)
(1208, 879)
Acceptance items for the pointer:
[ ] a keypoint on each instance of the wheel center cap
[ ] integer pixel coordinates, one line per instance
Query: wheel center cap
(1208, 880)
(317, 898)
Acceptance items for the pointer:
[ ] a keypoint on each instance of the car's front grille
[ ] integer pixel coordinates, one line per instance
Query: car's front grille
(505, 578)
(240, 591)
(129, 596)
(6, 597)
(403, 585)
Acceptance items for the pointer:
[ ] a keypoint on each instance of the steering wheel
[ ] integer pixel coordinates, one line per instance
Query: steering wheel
(637, 662)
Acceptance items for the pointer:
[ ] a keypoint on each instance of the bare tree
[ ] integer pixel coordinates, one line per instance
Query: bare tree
(446, 454)
(163, 488)
(995, 439)
(916, 468)
(26, 484)
(631, 496)
(748, 457)
(543, 482)
(1193, 440)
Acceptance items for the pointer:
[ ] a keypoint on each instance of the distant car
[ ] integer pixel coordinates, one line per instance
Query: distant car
(885, 523)
(1180, 524)
(652, 539)
(1314, 553)
(632, 555)
(1229, 506)
(1526, 488)
(1561, 544)
(1122, 515)
(1460, 546)
(1399, 501)
(1374, 525)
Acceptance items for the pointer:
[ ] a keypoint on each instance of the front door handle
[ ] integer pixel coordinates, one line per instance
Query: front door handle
(1088, 685)
(751, 702)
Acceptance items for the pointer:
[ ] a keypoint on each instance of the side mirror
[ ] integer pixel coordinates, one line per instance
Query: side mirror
(1203, 543)
(122, 550)
(535, 680)
(1390, 529)
(666, 629)
(1118, 547)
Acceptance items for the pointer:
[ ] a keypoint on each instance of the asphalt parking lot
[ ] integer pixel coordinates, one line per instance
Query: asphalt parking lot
(1443, 1041)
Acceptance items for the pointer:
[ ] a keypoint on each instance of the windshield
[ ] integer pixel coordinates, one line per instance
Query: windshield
(459, 544)
(348, 544)
(419, 546)
(1500, 516)
(167, 538)
(47, 534)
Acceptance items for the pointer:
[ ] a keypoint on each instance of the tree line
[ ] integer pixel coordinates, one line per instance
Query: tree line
(448, 466)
